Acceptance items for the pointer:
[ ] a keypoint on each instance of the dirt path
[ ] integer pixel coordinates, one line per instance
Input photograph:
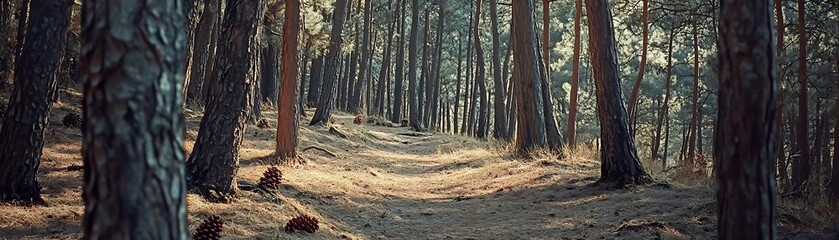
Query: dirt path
(382, 184)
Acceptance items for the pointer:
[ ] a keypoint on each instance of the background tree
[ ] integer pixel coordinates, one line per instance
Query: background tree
(133, 126)
(398, 88)
(745, 146)
(29, 106)
(500, 130)
(201, 61)
(801, 165)
(618, 156)
(414, 114)
(287, 107)
(330, 73)
(527, 73)
(575, 76)
(212, 166)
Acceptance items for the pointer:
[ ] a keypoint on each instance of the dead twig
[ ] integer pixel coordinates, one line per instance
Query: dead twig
(322, 149)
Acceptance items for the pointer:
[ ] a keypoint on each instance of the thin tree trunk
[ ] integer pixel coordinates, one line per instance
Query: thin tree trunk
(575, 77)
(133, 154)
(398, 88)
(480, 75)
(801, 165)
(833, 186)
(457, 86)
(779, 40)
(330, 73)
(691, 157)
(665, 106)
(355, 101)
(201, 52)
(500, 130)
(212, 166)
(413, 107)
(315, 76)
(383, 74)
(633, 98)
(27, 116)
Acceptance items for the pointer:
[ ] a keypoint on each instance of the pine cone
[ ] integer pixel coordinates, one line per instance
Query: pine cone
(210, 229)
(72, 120)
(302, 223)
(271, 179)
(263, 123)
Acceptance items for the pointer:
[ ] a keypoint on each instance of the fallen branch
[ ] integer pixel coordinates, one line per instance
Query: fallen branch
(415, 134)
(322, 149)
(336, 132)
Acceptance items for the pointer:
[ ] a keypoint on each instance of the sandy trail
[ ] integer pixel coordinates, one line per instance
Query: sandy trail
(385, 185)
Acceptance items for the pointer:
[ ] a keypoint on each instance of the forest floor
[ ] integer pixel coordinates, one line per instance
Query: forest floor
(383, 184)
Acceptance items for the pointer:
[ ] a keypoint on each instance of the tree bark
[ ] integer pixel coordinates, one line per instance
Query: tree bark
(201, 52)
(384, 72)
(315, 76)
(745, 145)
(27, 116)
(618, 156)
(398, 86)
(665, 106)
(527, 71)
(268, 73)
(287, 105)
(133, 129)
(459, 82)
(212, 166)
(413, 107)
(691, 157)
(500, 130)
(779, 53)
(575, 77)
(642, 66)
(356, 99)
(801, 165)
(5, 47)
(330, 73)
(480, 75)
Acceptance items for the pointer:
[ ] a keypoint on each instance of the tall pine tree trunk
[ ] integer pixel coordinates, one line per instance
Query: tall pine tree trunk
(287, 107)
(201, 52)
(745, 145)
(801, 165)
(330, 73)
(315, 78)
(527, 71)
(480, 74)
(500, 130)
(212, 166)
(27, 116)
(413, 107)
(398, 86)
(633, 98)
(133, 128)
(691, 157)
(355, 101)
(575, 77)
(618, 156)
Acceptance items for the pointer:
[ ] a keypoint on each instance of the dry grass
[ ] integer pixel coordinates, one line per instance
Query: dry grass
(385, 185)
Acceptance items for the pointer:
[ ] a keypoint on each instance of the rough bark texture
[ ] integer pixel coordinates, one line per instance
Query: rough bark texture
(330, 73)
(212, 166)
(801, 165)
(500, 130)
(633, 97)
(269, 78)
(201, 53)
(287, 105)
(315, 77)
(5, 47)
(133, 130)
(618, 156)
(527, 71)
(398, 86)
(413, 105)
(27, 115)
(575, 77)
(745, 145)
